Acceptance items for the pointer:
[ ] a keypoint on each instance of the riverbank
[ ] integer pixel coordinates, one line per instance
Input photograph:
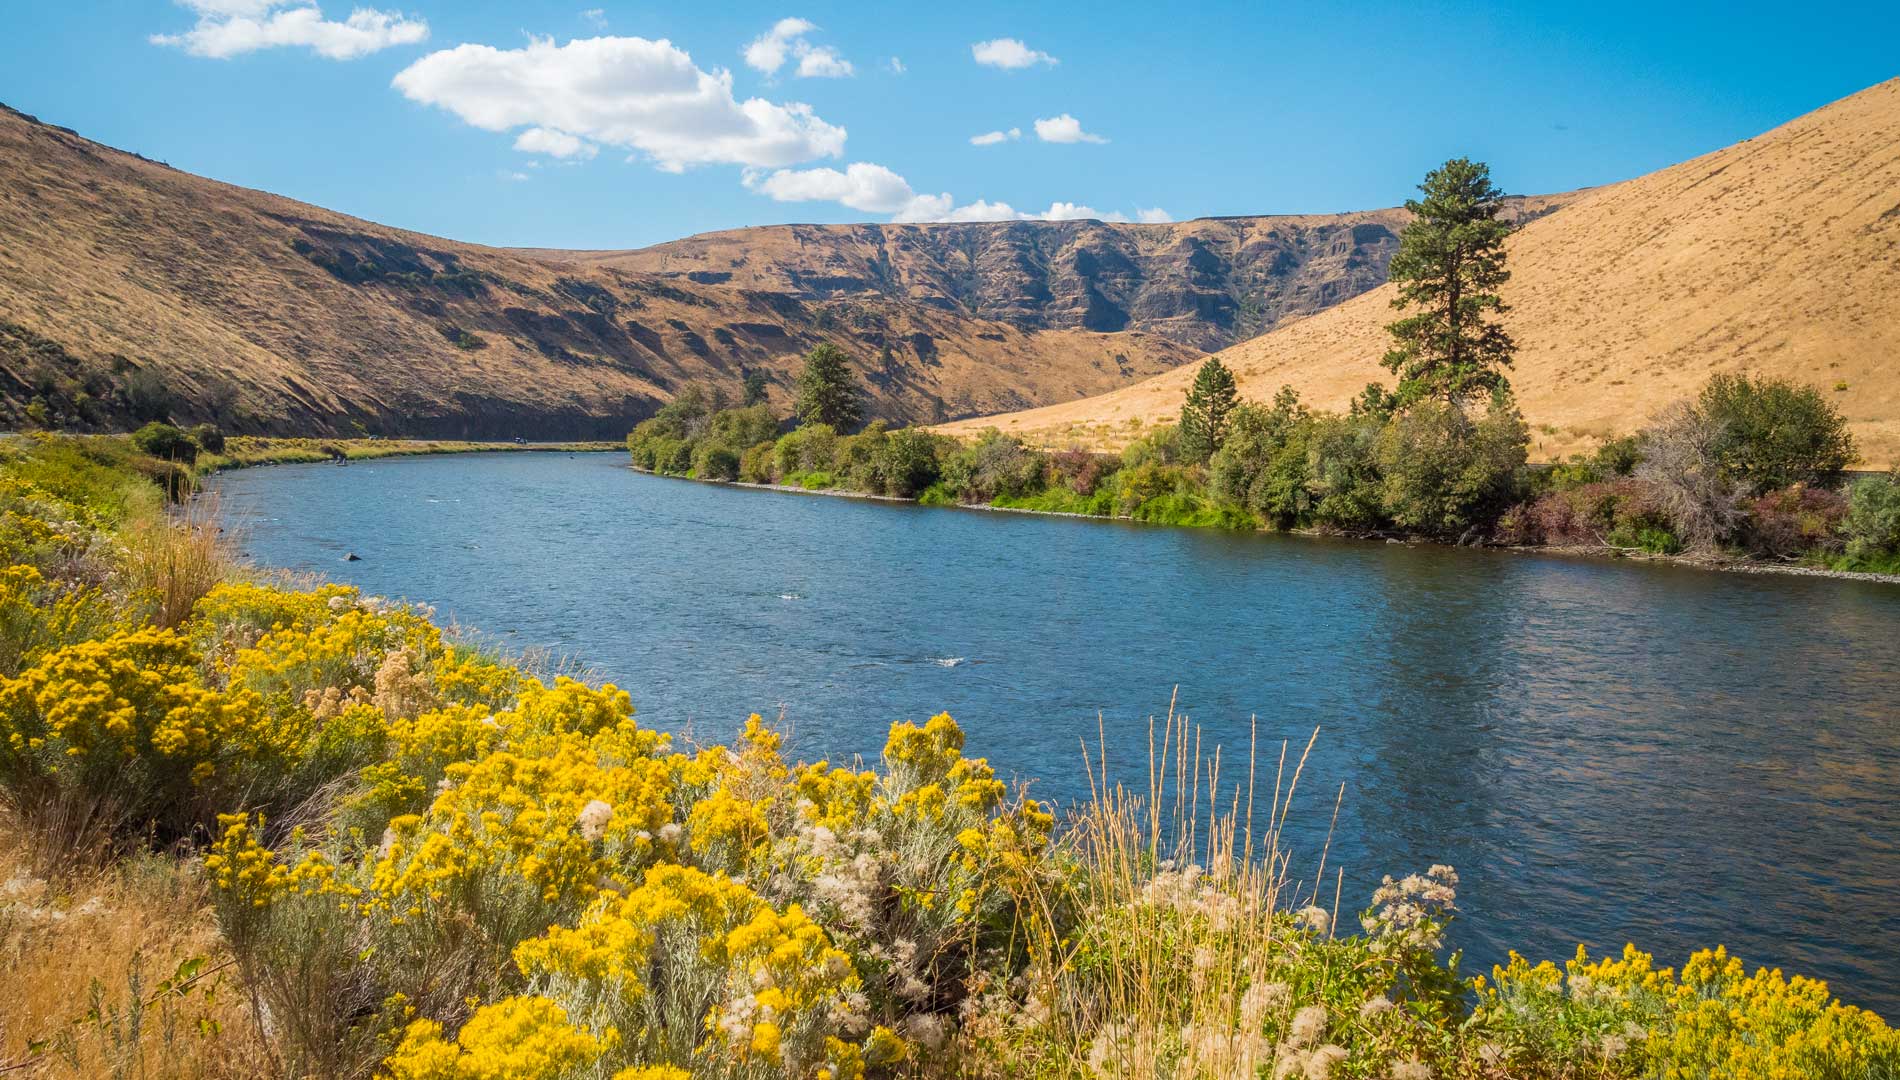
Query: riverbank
(249, 451)
(448, 803)
(1722, 563)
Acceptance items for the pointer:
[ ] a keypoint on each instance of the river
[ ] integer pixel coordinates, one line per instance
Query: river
(1607, 751)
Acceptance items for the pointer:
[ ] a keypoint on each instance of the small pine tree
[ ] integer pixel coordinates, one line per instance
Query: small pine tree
(754, 388)
(1449, 265)
(1205, 413)
(828, 391)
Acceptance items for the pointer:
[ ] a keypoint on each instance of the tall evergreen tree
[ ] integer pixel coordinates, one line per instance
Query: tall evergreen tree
(1449, 266)
(828, 391)
(1204, 415)
(754, 388)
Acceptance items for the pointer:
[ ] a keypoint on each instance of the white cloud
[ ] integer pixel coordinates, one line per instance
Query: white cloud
(991, 138)
(861, 186)
(1153, 216)
(597, 16)
(511, 176)
(786, 40)
(894, 66)
(626, 92)
(823, 62)
(875, 189)
(1064, 129)
(1009, 54)
(228, 28)
(555, 144)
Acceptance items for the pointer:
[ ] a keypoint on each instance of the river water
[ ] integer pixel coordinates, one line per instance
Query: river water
(1607, 751)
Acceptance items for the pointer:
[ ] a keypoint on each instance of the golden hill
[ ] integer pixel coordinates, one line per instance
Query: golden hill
(1778, 255)
(130, 290)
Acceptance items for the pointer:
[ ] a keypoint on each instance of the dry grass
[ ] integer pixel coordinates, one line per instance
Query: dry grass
(174, 561)
(1777, 255)
(199, 282)
(117, 972)
(1188, 818)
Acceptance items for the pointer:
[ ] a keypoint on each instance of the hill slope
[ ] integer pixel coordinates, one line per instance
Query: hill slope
(1780, 254)
(1204, 283)
(131, 290)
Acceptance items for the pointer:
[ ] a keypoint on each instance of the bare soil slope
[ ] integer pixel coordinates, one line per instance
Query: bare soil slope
(1780, 254)
(130, 290)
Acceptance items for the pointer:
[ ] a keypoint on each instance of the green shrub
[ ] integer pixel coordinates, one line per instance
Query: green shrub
(166, 442)
(995, 465)
(755, 465)
(809, 447)
(1872, 525)
(715, 461)
(208, 437)
(1444, 473)
(907, 462)
(1343, 471)
(1771, 433)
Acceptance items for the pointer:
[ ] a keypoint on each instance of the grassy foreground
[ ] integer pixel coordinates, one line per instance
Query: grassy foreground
(260, 830)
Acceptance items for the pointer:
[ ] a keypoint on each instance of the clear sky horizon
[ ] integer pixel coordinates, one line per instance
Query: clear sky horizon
(596, 124)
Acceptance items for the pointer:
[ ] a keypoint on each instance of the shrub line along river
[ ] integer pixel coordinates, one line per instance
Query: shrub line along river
(1607, 750)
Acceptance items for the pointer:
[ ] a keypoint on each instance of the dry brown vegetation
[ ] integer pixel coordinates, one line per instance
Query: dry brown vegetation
(116, 969)
(123, 280)
(1779, 255)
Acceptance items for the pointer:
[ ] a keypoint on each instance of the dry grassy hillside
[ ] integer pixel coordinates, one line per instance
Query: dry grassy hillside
(1204, 283)
(1780, 254)
(130, 290)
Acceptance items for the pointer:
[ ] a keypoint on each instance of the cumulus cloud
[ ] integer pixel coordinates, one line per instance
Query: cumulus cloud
(228, 28)
(786, 41)
(628, 92)
(1009, 54)
(1064, 129)
(1153, 216)
(875, 189)
(555, 144)
(991, 138)
(861, 186)
(597, 16)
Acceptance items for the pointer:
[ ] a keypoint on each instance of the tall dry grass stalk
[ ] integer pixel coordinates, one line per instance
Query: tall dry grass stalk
(175, 559)
(1183, 881)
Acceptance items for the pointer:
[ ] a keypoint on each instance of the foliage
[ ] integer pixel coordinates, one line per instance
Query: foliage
(1872, 524)
(1204, 415)
(166, 442)
(1449, 265)
(754, 393)
(828, 390)
(1445, 474)
(1771, 433)
(429, 865)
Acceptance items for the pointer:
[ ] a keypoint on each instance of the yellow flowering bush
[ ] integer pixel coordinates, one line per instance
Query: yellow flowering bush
(1712, 1020)
(37, 615)
(127, 721)
(517, 1038)
(495, 876)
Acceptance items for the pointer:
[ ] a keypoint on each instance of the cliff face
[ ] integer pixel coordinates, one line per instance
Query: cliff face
(132, 291)
(1204, 284)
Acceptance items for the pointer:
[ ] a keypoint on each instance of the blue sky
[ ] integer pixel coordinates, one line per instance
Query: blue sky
(604, 124)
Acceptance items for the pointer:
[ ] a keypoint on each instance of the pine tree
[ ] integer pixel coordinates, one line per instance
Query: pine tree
(828, 391)
(1449, 266)
(1205, 413)
(754, 388)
